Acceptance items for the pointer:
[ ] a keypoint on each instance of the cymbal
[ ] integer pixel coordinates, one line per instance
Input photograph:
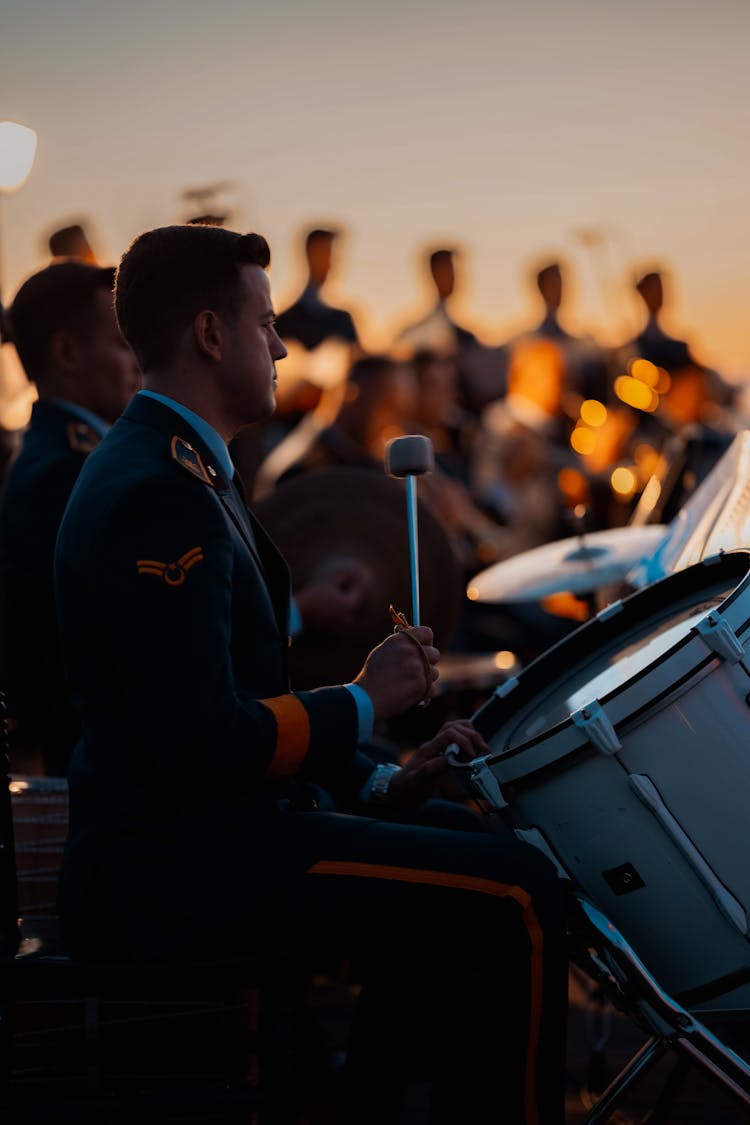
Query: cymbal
(326, 517)
(579, 564)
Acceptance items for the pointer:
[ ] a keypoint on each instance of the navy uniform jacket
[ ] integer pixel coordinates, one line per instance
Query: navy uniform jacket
(310, 321)
(37, 488)
(173, 606)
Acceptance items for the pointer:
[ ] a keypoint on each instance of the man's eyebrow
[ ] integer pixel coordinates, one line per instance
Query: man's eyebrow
(268, 313)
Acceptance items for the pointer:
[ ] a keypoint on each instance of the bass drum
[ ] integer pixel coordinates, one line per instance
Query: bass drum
(624, 752)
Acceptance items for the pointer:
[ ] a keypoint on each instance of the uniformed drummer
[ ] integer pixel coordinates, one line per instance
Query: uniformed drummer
(211, 804)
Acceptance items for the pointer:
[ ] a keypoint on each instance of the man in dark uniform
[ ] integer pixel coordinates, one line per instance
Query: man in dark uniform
(65, 332)
(438, 330)
(586, 372)
(310, 320)
(322, 341)
(210, 802)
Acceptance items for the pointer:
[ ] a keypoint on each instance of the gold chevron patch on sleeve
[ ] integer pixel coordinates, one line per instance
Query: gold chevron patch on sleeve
(173, 573)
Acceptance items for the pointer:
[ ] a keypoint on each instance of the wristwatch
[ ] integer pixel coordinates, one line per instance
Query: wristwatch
(380, 780)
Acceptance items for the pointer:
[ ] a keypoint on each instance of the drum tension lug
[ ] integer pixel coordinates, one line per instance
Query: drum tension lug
(484, 780)
(595, 724)
(721, 637)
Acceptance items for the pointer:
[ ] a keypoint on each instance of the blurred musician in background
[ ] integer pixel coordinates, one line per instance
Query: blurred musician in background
(322, 342)
(63, 325)
(585, 366)
(680, 415)
(480, 369)
(437, 330)
(376, 405)
(72, 243)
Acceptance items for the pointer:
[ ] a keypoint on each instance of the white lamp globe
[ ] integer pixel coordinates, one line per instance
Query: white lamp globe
(17, 151)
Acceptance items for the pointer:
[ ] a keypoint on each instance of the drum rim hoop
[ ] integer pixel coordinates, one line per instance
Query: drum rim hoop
(532, 680)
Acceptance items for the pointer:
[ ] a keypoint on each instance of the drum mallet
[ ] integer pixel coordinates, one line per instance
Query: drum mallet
(410, 457)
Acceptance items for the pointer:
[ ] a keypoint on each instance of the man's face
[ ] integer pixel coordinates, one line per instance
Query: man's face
(108, 373)
(319, 259)
(550, 286)
(444, 277)
(251, 349)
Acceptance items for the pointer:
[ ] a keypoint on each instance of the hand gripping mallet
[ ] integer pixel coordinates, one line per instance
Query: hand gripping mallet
(410, 457)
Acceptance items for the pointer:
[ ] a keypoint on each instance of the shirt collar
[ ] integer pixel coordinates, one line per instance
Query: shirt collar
(213, 440)
(98, 425)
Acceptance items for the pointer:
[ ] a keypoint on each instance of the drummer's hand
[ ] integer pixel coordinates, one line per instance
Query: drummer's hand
(399, 673)
(415, 781)
(332, 600)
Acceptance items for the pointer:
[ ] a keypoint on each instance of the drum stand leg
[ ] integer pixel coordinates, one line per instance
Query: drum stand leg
(598, 1027)
(608, 958)
(659, 1115)
(620, 1086)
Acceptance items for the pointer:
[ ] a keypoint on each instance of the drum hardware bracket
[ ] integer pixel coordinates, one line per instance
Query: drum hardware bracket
(596, 725)
(610, 610)
(646, 791)
(506, 687)
(484, 780)
(721, 637)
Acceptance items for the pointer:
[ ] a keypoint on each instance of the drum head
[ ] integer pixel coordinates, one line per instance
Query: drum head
(607, 655)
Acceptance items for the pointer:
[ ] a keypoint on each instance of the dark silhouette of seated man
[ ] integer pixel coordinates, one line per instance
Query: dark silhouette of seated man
(438, 331)
(670, 353)
(310, 321)
(308, 326)
(481, 370)
(694, 423)
(653, 343)
(63, 325)
(586, 371)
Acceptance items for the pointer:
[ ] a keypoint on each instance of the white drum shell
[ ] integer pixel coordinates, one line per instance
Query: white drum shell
(684, 723)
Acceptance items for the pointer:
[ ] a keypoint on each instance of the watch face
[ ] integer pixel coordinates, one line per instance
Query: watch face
(381, 780)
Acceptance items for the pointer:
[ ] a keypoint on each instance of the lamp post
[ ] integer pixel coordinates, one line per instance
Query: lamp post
(17, 151)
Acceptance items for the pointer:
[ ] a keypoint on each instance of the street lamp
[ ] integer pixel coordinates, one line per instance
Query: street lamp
(17, 151)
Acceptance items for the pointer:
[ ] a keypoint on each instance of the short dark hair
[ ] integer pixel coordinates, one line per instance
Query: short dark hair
(168, 275)
(444, 254)
(67, 241)
(319, 234)
(59, 298)
(647, 279)
(368, 369)
(551, 269)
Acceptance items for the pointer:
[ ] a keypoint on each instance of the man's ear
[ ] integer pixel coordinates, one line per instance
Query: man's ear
(64, 353)
(207, 334)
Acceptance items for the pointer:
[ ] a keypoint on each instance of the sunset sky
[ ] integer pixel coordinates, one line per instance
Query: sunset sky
(506, 128)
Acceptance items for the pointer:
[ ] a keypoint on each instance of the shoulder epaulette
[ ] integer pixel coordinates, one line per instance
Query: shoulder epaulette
(81, 437)
(189, 458)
